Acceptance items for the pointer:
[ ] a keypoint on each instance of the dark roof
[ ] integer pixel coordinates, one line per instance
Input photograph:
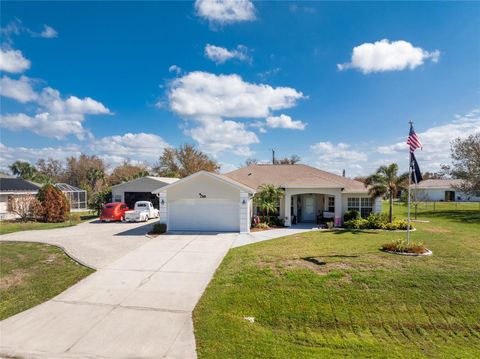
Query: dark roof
(17, 184)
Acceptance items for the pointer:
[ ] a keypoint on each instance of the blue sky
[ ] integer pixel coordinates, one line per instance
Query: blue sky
(333, 82)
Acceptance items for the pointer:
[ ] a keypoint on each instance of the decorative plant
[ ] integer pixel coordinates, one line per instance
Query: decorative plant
(386, 182)
(53, 205)
(268, 198)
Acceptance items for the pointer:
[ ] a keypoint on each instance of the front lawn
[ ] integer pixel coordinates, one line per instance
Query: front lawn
(16, 226)
(334, 294)
(31, 273)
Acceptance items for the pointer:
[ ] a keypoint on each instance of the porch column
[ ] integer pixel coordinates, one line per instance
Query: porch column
(287, 204)
(244, 215)
(338, 210)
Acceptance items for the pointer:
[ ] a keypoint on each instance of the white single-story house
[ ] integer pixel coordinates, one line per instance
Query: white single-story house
(207, 201)
(11, 186)
(140, 189)
(441, 190)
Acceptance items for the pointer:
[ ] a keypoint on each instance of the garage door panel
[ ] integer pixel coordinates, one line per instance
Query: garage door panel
(204, 215)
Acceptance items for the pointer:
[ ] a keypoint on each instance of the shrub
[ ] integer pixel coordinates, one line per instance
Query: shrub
(356, 224)
(53, 205)
(401, 246)
(159, 228)
(262, 225)
(398, 224)
(377, 220)
(352, 214)
(23, 205)
(98, 200)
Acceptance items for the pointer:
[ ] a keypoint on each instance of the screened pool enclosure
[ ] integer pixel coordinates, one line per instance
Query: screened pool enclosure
(76, 196)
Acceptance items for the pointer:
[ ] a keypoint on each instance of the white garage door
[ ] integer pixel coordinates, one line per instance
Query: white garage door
(204, 214)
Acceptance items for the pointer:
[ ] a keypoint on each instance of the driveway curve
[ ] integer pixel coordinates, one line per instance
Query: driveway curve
(93, 244)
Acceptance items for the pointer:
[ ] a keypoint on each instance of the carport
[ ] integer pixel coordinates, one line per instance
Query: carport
(140, 189)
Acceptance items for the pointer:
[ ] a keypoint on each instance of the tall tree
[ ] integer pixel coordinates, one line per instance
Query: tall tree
(126, 172)
(23, 170)
(51, 169)
(268, 198)
(85, 170)
(184, 161)
(386, 182)
(465, 155)
(293, 159)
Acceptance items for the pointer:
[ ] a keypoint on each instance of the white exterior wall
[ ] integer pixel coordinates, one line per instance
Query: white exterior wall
(289, 192)
(438, 194)
(213, 189)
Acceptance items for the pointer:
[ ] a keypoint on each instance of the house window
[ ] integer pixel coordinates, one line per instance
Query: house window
(363, 205)
(118, 198)
(353, 203)
(331, 204)
(366, 207)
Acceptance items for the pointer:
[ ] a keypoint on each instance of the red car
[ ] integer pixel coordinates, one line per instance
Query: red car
(113, 212)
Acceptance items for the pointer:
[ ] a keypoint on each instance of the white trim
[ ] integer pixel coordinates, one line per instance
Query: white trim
(168, 180)
(209, 174)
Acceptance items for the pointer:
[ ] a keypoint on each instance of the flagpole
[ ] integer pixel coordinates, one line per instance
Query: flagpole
(409, 183)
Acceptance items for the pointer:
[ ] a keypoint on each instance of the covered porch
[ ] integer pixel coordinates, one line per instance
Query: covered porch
(311, 206)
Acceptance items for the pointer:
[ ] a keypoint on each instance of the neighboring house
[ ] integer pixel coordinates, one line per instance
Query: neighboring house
(139, 189)
(441, 190)
(10, 187)
(206, 201)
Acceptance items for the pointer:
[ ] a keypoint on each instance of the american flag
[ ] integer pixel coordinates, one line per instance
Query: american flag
(413, 141)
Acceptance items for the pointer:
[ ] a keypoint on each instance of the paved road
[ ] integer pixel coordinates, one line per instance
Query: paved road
(138, 306)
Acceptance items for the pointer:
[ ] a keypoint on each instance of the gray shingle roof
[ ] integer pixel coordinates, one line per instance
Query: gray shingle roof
(17, 185)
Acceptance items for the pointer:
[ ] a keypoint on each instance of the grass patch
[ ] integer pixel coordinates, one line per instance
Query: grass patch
(31, 273)
(334, 294)
(15, 226)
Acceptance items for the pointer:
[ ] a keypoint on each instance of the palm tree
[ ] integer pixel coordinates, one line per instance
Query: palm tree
(268, 197)
(386, 181)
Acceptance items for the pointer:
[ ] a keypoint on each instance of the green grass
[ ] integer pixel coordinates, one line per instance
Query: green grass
(31, 273)
(15, 226)
(334, 294)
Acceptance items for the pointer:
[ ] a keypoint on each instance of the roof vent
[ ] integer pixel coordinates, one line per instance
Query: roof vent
(249, 174)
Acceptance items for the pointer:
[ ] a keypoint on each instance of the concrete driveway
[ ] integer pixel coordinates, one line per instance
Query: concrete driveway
(139, 306)
(92, 243)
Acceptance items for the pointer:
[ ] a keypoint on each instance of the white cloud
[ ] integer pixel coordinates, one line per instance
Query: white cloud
(201, 94)
(175, 68)
(46, 124)
(13, 61)
(51, 99)
(8, 155)
(335, 152)
(55, 117)
(284, 121)
(225, 11)
(20, 90)
(135, 146)
(48, 32)
(215, 136)
(388, 55)
(208, 99)
(337, 157)
(220, 55)
(436, 142)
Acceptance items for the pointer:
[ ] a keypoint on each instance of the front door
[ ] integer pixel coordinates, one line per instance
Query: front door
(308, 213)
